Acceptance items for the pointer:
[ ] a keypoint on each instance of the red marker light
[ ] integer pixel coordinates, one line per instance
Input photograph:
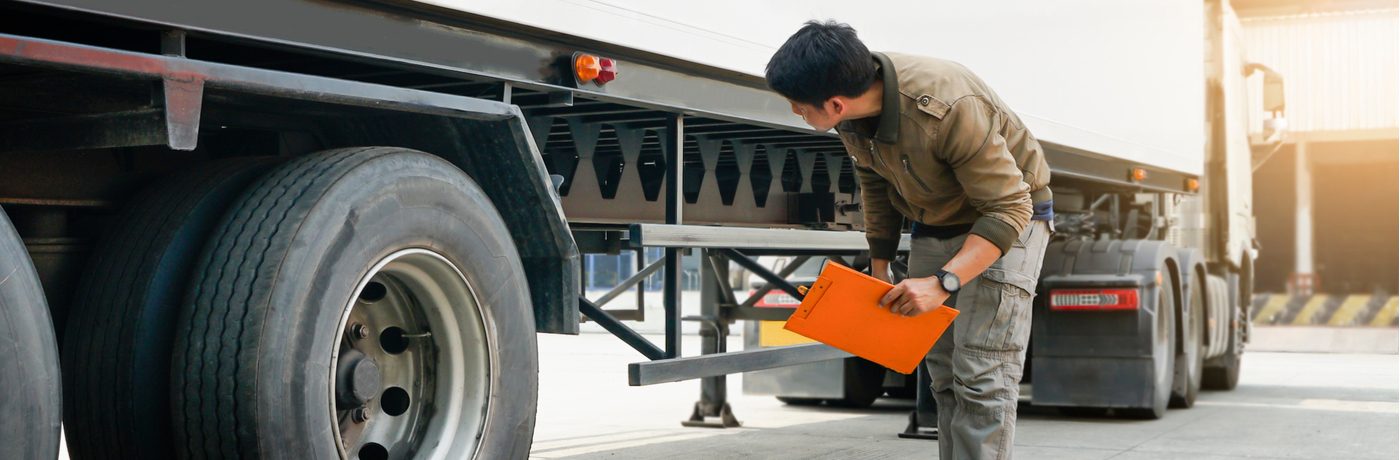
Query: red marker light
(607, 71)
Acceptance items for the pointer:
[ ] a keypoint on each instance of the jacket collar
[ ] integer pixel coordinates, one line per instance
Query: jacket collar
(887, 131)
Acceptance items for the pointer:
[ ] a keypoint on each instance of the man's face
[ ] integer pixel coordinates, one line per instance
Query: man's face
(820, 118)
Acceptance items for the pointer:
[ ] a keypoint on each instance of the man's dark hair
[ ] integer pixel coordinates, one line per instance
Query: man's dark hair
(820, 61)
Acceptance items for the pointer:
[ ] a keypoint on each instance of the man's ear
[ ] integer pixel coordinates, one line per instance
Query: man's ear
(837, 106)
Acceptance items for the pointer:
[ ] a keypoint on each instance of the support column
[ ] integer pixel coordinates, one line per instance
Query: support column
(1303, 281)
(712, 410)
(673, 143)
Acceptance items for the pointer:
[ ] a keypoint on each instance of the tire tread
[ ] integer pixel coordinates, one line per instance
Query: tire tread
(31, 408)
(106, 310)
(254, 229)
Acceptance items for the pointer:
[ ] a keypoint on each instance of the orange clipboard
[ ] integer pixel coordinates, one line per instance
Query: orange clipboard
(842, 309)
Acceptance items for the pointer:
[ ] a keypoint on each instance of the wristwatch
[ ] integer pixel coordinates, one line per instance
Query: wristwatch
(949, 281)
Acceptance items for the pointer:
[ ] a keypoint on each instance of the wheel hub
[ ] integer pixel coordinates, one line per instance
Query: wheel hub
(411, 373)
(359, 380)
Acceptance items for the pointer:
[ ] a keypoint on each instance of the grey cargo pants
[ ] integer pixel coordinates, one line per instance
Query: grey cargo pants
(976, 366)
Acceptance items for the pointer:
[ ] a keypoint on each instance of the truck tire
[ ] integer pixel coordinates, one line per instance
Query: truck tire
(365, 302)
(1223, 372)
(1191, 361)
(864, 383)
(1163, 357)
(31, 408)
(116, 359)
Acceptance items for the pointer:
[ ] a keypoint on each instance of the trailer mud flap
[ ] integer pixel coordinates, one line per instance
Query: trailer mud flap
(1093, 381)
(1100, 358)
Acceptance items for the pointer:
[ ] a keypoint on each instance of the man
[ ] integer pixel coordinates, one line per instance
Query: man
(933, 144)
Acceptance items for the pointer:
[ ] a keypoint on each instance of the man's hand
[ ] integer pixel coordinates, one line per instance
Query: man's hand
(915, 296)
(880, 269)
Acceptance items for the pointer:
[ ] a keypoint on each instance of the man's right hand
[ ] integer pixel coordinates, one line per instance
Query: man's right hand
(880, 269)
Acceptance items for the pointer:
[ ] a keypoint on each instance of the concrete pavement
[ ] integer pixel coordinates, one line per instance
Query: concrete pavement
(1288, 406)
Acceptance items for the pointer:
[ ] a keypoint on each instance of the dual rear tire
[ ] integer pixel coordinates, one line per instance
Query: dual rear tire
(1223, 372)
(1190, 360)
(355, 303)
(1163, 358)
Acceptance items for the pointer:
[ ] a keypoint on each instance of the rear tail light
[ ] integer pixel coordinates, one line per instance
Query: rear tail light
(600, 70)
(607, 71)
(1093, 299)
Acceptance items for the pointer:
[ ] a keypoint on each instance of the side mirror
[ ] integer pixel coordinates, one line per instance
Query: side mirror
(1274, 100)
(1273, 92)
(1273, 103)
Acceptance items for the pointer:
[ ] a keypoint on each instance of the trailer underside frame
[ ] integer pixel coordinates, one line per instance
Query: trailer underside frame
(641, 163)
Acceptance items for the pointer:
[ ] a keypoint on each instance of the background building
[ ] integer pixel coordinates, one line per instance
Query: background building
(1327, 199)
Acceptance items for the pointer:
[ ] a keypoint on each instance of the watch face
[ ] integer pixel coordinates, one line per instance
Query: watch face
(950, 282)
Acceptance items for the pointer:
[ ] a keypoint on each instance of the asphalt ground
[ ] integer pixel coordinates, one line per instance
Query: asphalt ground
(1288, 406)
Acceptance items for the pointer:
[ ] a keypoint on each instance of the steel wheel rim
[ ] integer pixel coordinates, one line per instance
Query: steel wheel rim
(416, 320)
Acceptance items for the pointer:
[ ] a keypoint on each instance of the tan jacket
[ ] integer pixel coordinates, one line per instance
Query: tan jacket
(945, 151)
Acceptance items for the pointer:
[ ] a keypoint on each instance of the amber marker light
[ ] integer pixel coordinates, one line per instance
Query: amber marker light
(587, 67)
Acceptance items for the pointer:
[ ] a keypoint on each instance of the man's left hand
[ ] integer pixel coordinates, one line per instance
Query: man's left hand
(915, 296)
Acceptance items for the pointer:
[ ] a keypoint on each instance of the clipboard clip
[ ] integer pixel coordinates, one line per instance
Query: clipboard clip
(810, 296)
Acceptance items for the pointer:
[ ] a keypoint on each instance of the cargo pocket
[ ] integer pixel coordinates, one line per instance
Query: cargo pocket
(1007, 295)
(1025, 237)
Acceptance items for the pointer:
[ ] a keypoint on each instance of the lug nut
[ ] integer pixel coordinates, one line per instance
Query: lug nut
(359, 415)
(359, 331)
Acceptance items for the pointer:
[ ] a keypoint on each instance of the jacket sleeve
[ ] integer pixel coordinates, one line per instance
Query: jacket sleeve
(973, 146)
(882, 220)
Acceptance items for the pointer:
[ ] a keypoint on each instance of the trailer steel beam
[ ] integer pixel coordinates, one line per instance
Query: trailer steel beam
(761, 271)
(760, 313)
(627, 334)
(51, 54)
(704, 236)
(694, 367)
(769, 286)
(629, 282)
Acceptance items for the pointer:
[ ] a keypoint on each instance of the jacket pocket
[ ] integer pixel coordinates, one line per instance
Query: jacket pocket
(909, 169)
